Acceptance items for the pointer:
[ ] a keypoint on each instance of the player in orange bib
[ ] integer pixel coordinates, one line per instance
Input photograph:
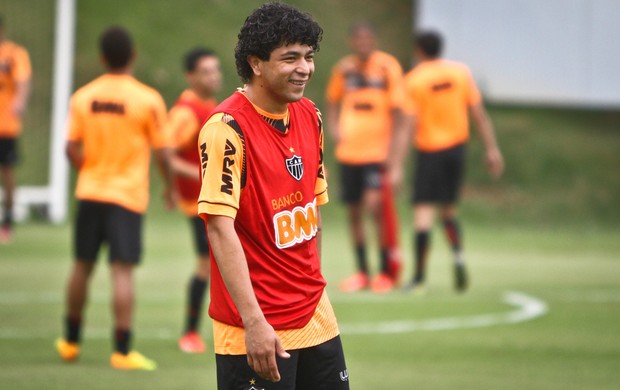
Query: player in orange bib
(114, 123)
(15, 74)
(364, 98)
(191, 110)
(441, 95)
(263, 185)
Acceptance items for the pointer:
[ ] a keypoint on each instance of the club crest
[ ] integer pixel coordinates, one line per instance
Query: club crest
(295, 167)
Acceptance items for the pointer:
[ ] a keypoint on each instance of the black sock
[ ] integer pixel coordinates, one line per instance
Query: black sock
(122, 339)
(422, 239)
(196, 294)
(384, 254)
(362, 262)
(73, 325)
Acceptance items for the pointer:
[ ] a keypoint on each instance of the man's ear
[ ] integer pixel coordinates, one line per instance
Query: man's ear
(255, 64)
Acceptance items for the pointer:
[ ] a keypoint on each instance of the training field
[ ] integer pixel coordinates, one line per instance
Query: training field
(559, 332)
(542, 243)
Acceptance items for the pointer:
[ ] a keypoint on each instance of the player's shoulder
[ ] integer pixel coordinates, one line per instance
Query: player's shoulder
(220, 126)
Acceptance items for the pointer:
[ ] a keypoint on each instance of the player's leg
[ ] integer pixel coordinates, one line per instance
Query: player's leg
(423, 218)
(198, 286)
(8, 159)
(425, 195)
(352, 192)
(124, 236)
(88, 236)
(453, 174)
(234, 373)
(323, 367)
(453, 232)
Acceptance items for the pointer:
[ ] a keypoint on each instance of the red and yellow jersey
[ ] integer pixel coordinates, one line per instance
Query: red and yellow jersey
(117, 120)
(185, 120)
(439, 93)
(14, 68)
(267, 173)
(367, 92)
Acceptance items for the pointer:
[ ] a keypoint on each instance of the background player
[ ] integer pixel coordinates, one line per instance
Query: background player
(15, 74)
(441, 95)
(191, 110)
(364, 95)
(263, 180)
(114, 121)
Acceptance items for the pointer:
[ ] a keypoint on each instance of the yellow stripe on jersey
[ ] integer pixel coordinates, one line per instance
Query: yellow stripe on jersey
(230, 340)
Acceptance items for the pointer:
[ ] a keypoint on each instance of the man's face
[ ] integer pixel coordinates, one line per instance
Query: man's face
(207, 77)
(287, 72)
(363, 42)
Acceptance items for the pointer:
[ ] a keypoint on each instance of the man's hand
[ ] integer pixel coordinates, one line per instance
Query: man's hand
(395, 177)
(262, 344)
(494, 162)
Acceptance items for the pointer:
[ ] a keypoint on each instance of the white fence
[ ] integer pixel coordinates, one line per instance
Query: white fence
(556, 52)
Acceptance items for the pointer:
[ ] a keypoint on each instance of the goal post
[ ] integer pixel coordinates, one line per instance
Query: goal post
(63, 75)
(52, 192)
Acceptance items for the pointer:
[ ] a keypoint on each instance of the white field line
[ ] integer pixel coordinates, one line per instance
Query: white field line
(526, 308)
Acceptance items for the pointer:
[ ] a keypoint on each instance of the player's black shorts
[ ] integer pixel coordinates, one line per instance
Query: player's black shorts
(320, 367)
(118, 227)
(8, 152)
(438, 175)
(355, 179)
(200, 235)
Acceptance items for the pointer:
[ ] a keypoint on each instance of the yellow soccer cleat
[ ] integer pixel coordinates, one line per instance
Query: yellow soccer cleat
(132, 361)
(66, 350)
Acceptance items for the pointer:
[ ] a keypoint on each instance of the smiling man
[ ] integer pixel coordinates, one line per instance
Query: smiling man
(263, 180)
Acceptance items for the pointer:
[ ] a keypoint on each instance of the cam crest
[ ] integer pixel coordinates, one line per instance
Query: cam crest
(295, 167)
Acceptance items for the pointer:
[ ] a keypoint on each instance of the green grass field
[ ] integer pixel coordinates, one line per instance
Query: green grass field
(575, 345)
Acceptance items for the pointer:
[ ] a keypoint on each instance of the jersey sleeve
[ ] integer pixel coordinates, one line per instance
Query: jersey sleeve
(156, 122)
(473, 94)
(320, 188)
(221, 151)
(21, 69)
(181, 126)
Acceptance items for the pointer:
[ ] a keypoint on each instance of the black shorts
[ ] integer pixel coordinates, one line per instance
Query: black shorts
(319, 367)
(438, 176)
(200, 235)
(8, 152)
(355, 179)
(99, 223)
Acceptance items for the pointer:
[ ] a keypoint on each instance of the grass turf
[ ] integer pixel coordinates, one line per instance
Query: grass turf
(573, 346)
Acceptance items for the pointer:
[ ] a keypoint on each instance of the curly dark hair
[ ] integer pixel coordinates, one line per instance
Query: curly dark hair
(269, 27)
